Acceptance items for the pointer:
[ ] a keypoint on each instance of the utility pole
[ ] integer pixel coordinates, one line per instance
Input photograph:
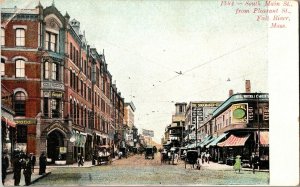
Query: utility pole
(258, 127)
(196, 131)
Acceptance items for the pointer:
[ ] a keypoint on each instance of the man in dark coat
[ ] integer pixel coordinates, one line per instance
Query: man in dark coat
(43, 163)
(33, 159)
(5, 164)
(17, 169)
(27, 170)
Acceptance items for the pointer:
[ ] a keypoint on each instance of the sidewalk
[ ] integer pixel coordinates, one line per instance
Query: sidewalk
(9, 181)
(217, 166)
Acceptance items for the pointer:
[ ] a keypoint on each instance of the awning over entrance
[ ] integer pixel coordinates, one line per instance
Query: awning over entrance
(216, 140)
(8, 122)
(264, 138)
(234, 141)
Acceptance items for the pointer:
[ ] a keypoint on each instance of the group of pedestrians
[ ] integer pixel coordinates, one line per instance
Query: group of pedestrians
(205, 157)
(23, 161)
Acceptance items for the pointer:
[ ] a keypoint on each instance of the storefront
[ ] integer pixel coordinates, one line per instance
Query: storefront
(56, 144)
(8, 129)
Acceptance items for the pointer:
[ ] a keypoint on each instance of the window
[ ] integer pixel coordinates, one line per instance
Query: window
(55, 72)
(2, 67)
(46, 109)
(55, 108)
(20, 99)
(46, 70)
(81, 89)
(22, 134)
(20, 68)
(51, 42)
(71, 51)
(20, 37)
(2, 36)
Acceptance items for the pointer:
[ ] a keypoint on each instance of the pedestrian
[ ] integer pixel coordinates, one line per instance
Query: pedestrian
(207, 156)
(27, 170)
(254, 162)
(17, 167)
(202, 157)
(43, 163)
(237, 164)
(5, 164)
(80, 160)
(33, 160)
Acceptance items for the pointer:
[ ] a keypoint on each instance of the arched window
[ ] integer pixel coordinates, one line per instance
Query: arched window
(2, 36)
(19, 103)
(2, 67)
(20, 68)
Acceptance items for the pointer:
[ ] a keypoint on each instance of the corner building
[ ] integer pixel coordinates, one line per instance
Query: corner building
(61, 87)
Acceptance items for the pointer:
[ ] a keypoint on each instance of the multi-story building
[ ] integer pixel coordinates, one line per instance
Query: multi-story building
(129, 110)
(63, 97)
(239, 126)
(175, 131)
(197, 110)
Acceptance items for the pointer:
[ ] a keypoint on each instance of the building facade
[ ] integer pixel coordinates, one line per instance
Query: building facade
(64, 100)
(175, 132)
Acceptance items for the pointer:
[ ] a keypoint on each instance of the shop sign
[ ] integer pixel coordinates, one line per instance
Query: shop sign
(56, 94)
(250, 113)
(239, 113)
(62, 150)
(25, 121)
(56, 125)
(266, 113)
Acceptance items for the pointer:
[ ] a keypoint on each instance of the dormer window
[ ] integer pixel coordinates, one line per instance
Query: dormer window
(51, 41)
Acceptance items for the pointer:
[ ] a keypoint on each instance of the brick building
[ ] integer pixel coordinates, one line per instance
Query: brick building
(64, 99)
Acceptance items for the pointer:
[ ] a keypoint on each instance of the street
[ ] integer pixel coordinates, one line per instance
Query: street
(136, 170)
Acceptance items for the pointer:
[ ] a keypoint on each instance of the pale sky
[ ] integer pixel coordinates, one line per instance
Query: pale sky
(145, 42)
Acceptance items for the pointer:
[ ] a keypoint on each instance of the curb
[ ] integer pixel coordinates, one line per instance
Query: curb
(38, 178)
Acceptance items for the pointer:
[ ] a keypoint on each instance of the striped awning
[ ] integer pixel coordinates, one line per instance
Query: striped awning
(264, 138)
(8, 122)
(216, 140)
(234, 141)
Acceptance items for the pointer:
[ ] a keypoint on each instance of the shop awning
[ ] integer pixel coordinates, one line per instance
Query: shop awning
(234, 141)
(205, 141)
(216, 140)
(8, 122)
(264, 138)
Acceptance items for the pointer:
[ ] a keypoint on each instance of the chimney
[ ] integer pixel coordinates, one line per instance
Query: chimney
(230, 92)
(248, 86)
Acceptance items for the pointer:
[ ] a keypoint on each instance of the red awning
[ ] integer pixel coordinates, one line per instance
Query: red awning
(264, 138)
(234, 140)
(8, 122)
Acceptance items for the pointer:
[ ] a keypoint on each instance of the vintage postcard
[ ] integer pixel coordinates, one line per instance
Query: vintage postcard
(166, 92)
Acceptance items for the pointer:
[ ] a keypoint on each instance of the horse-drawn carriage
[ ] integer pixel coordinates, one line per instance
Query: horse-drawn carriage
(192, 159)
(103, 156)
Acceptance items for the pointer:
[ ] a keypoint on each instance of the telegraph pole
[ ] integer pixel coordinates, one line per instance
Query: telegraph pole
(258, 127)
